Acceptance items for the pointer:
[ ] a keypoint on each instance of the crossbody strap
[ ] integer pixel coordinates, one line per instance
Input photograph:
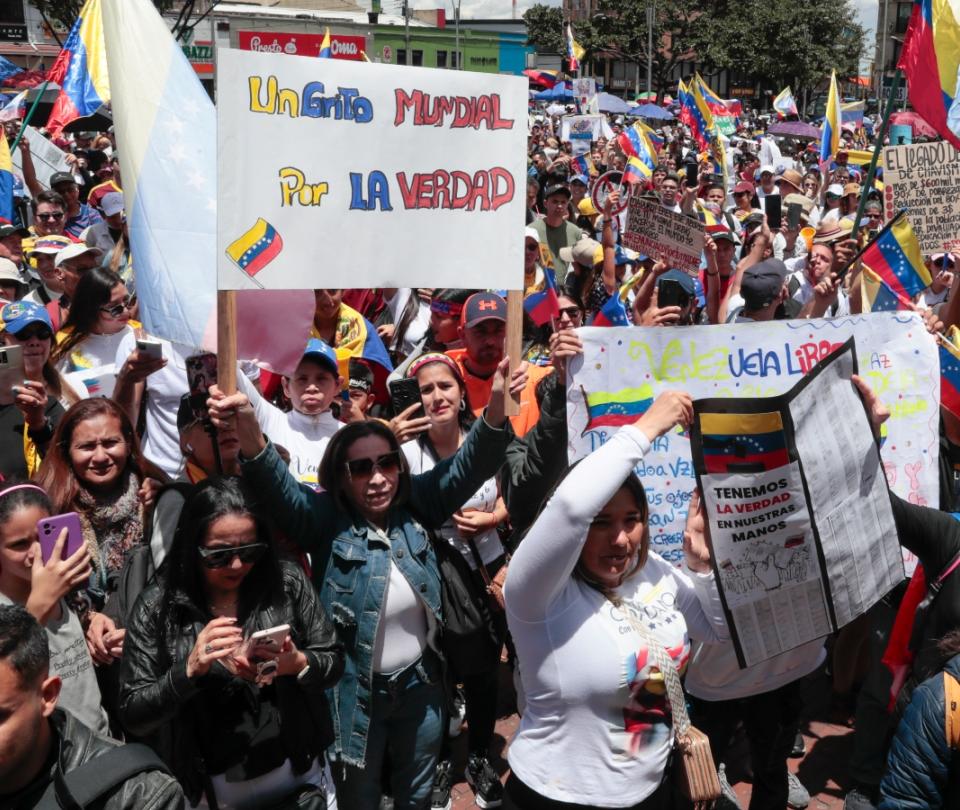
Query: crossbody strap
(678, 703)
(80, 787)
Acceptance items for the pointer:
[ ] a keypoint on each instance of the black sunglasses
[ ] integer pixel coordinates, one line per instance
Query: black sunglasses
(30, 332)
(571, 312)
(222, 557)
(50, 217)
(365, 467)
(116, 310)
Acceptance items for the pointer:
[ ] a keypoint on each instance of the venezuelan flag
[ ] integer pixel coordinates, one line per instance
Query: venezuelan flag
(703, 126)
(543, 306)
(6, 181)
(686, 102)
(575, 52)
(584, 165)
(612, 313)
(950, 377)
(784, 103)
(325, 50)
(830, 140)
(743, 442)
(637, 170)
(895, 256)
(256, 248)
(357, 337)
(616, 408)
(723, 118)
(875, 295)
(931, 61)
(80, 70)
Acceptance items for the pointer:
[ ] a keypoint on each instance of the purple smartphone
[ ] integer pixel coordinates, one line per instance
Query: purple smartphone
(48, 530)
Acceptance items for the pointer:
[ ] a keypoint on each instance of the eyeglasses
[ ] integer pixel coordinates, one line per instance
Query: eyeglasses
(50, 217)
(222, 557)
(34, 333)
(116, 310)
(573, 313)
(365, 467)
(532, 248)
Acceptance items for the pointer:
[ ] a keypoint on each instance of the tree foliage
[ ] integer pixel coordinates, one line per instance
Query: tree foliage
(65, 12)
(545, 28)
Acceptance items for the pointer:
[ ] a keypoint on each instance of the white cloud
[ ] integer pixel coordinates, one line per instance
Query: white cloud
(867, 11)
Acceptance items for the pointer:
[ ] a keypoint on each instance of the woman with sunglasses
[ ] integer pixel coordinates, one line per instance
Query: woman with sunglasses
(35, 405)
(100, 318)
(238, 730)
(379, 582)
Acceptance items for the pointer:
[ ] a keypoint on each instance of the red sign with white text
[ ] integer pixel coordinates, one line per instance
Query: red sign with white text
(342, 46)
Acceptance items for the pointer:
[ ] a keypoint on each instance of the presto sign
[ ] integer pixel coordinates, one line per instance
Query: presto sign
(341, 45)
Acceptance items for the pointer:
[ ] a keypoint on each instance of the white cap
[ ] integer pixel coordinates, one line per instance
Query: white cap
(531, 233)
(112, 203)
(835, 189)
(767, 168)
(9, 271)
(73, 251)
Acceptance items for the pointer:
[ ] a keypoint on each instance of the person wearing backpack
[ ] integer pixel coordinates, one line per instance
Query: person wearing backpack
(922, 769)
(48, 758)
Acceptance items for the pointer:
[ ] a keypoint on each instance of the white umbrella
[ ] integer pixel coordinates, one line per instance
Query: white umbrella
(556, 109)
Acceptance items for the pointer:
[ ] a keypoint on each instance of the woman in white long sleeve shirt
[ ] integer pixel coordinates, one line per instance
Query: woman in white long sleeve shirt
(597, 729)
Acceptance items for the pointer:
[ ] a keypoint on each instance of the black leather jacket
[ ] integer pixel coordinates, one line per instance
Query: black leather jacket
(150, 790)
(159, 703)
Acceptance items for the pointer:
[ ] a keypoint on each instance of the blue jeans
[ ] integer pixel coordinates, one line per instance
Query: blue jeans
(406, 718)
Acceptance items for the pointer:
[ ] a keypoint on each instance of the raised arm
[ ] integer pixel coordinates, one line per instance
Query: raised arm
(548, 554)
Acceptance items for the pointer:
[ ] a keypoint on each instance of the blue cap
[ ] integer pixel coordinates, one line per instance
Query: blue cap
(580, 178)
(19, 315)
(320, 350)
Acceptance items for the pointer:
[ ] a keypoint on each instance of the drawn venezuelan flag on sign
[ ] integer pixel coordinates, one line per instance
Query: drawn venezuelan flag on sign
(734, 442)
(616, 408)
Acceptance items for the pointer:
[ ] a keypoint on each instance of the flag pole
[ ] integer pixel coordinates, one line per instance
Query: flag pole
(29, 115)
(514, 347)
(872, 171)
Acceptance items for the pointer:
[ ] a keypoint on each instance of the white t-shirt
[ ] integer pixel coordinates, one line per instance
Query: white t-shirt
(94, 361)
(488, 543)
(304, 437)
(594, 730)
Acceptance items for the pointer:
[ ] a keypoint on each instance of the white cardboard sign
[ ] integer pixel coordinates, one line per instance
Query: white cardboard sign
(351, 174)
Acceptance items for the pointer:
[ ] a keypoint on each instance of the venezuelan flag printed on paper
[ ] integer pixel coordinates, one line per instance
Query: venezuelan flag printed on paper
(81, 70)
(784, 103)
(931, 61)
(544, 305)
(895, 257)
(876, 296)
(950, 377)
(830, 139)
(326, 52)
(256, 248)
(616, 408)
(741, 442)
(6, 181)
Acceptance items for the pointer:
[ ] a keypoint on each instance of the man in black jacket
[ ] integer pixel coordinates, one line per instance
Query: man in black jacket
(38, 740)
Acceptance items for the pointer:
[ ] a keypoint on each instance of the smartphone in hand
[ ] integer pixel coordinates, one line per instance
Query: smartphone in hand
(48, 530)
(201, 374)
(403, 394)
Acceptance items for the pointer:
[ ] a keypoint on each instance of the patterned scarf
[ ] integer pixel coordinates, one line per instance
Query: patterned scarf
(112, 525)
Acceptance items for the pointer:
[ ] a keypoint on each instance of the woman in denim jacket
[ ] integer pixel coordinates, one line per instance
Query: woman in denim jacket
(367, 534)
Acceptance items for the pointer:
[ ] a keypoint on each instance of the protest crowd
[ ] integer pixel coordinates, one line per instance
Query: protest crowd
(307, 589)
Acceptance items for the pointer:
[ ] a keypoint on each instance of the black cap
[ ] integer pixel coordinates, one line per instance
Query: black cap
(361, 375)
(6, 229)
(762, 283)
(61, 177)
(558, 188)
(483, 306)
(683, 279)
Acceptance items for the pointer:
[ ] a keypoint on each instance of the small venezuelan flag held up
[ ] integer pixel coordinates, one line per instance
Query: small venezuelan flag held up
(950, 377)
(583, 164)
(6, 182)
(80, 70)
(876, 296)
(612, 313)
(326, 52)
(616, 408)
(895, 257)
(255, 249)
(743, 442)
(636, 170)
(544, 305)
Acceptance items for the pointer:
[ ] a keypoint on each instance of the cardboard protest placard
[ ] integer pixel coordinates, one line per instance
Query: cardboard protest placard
(802, 531)
(581, 131)
(623, 369)
(655, 230)
(924, 178)
(48, 158)
(334, 173)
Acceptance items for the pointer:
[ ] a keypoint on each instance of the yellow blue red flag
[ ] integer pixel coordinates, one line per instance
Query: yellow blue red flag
(326, 52)
(6, 182)
(80, 70)
(830, 139)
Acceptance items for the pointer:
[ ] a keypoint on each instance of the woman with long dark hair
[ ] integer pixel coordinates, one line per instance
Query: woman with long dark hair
(596, 616)
(379, 581)
(237, 732)
(99, 320)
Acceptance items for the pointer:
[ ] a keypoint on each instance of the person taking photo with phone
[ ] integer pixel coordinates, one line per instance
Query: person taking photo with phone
(188, 685)
(39, 578)
(377, 573)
